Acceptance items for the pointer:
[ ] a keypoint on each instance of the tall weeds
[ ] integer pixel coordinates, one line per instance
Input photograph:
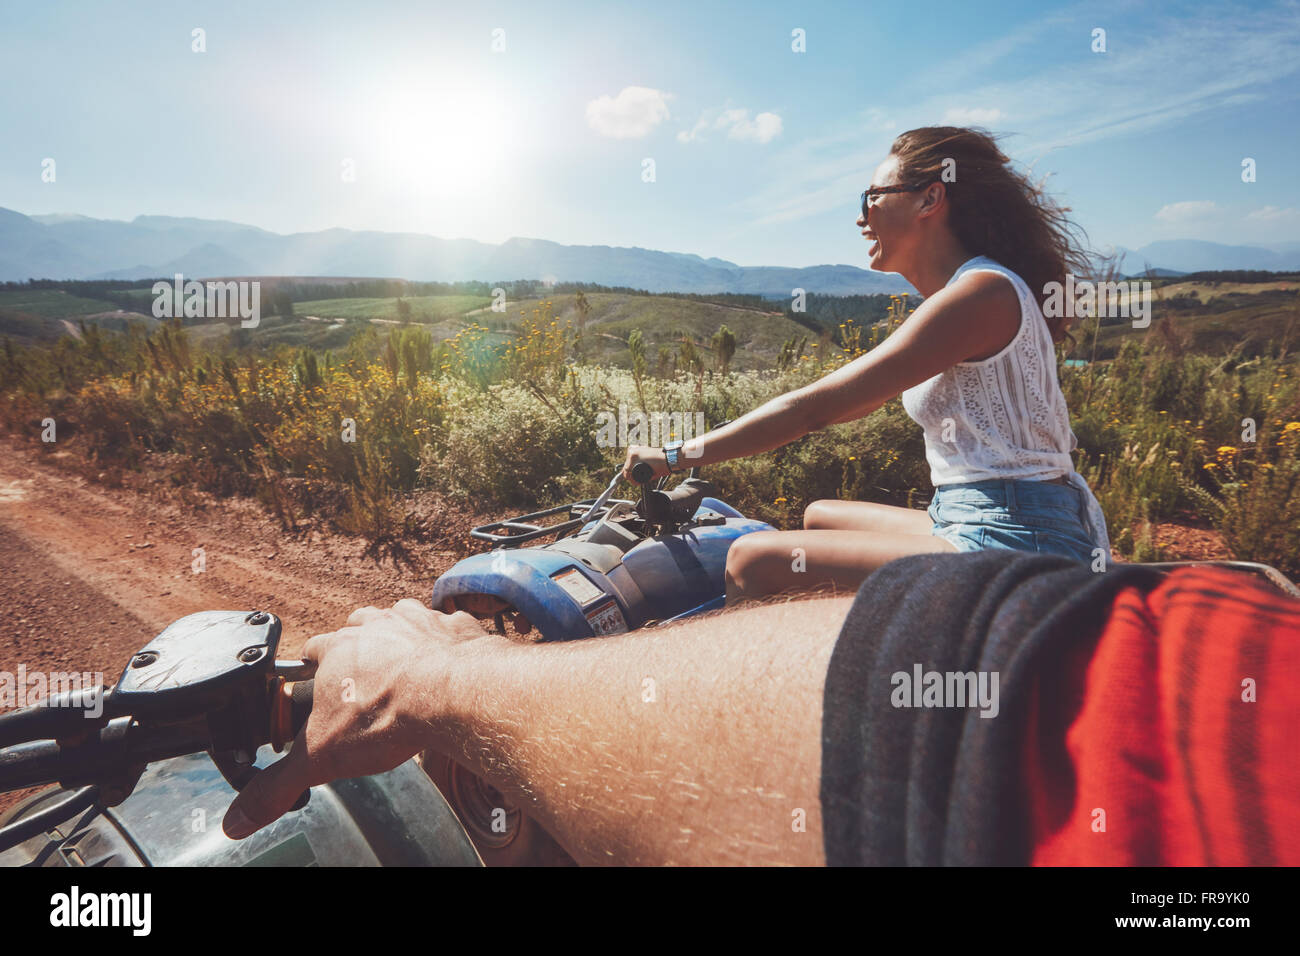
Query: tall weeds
(506, 417)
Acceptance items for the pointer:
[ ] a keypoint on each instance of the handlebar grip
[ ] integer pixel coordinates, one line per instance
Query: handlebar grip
(64, 714)
(300, 704)
(642, 472)
(687, 496)
(298, 697)
(290, 708)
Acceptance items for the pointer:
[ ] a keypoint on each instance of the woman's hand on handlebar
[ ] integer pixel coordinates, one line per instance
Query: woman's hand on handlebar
(654, 457)
(378, 681)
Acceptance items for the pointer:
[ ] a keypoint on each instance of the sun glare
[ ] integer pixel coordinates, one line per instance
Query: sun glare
(441, 143)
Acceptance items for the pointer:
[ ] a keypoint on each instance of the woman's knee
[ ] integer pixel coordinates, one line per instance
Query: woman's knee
(750, 552)
(820, 515)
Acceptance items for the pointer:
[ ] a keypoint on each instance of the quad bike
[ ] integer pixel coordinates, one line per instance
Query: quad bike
(147, 781)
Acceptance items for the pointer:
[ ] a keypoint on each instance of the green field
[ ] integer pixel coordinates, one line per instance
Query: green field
(1205, 291)
(52, 303)
(662, 320)
(1233, 320)
(39, 314)
(424, 308)
(611, 319)
(1205, 316)
(274, 330)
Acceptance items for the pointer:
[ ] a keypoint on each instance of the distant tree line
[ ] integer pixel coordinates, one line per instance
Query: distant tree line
(127, 291)
(826, 312)
(116, 291)
(87, 287)
(1235, 275)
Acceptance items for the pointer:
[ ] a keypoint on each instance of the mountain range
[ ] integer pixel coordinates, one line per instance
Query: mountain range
(1196, 255)
(79, 247)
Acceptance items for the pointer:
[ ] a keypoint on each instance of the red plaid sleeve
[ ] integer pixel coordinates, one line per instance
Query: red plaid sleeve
(1173, 740)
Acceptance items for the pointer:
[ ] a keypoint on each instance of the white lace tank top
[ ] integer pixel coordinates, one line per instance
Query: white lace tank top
(1003, 417)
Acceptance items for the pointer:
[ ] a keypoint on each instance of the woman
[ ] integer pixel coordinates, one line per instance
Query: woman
(976, 368)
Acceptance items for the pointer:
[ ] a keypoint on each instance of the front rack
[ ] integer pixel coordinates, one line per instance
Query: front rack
(512, 532)
(1268, 572)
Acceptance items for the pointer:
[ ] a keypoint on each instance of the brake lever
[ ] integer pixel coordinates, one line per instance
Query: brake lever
(294, 671)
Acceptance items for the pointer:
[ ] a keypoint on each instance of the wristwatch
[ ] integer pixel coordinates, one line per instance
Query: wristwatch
(672, 452)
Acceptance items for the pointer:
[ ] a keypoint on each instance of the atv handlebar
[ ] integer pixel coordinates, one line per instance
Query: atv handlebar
(209, 682)
(668, 509)
(687, 496)
(123, 744)
(59, 715)
(682, 504)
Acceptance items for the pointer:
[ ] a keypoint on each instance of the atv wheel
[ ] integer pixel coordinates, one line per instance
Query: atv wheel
(502, 833)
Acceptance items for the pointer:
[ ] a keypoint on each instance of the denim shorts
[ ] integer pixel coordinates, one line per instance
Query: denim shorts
(1037, 516)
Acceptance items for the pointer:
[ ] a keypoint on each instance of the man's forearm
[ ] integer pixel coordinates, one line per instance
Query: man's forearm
(699, 743)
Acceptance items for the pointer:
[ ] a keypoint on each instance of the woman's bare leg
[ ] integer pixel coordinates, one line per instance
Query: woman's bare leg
(773, 562)
(829, 514)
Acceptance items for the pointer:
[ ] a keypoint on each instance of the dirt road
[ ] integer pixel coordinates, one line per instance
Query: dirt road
(88, 574)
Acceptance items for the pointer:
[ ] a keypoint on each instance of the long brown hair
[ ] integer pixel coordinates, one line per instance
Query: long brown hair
(994, 209)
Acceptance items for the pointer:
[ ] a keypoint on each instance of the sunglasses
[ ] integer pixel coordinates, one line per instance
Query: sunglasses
(868, 197)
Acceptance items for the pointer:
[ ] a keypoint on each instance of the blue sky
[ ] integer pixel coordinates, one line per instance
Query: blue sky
(760, 152)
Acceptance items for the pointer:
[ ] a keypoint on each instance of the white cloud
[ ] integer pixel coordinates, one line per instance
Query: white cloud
(1274, 214)
(972, 117)
(763, 128)
(631, 115)
(1189, 211)
(688, 135)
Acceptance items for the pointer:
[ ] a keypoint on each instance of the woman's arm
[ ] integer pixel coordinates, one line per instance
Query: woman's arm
(975, 317)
